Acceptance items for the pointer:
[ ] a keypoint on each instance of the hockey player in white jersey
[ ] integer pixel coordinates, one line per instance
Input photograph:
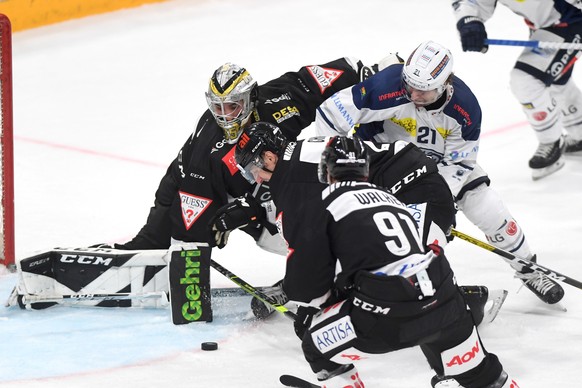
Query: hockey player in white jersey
(541, 78)
(423, 102)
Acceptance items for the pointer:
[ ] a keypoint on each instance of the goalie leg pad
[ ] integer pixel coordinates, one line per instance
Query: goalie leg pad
(61, 273)
(189, 276)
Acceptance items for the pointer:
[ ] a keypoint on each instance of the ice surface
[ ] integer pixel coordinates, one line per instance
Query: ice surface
(103, 104)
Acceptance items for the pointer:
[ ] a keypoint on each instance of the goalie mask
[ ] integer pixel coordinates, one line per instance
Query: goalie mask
(254, 141)
(231, 97)
(345, 159)
(427, 72)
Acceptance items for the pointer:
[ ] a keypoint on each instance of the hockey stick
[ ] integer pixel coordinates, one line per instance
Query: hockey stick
(511, 258)
(73, 298)
(535, 44)
(252, 290)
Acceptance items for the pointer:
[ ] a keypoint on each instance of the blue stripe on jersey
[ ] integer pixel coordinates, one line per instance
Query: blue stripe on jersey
(327, 121)
(569, 13)
(465, 109)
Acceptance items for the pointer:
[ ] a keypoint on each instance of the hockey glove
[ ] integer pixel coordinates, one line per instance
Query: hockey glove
(473, 34)
(103, 245)
(303, 321)
(243, 211)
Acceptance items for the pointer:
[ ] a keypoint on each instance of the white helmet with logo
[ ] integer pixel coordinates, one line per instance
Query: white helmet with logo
(428, 67)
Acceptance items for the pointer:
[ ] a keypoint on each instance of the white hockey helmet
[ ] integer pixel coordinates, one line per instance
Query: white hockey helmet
(231, 97)
(428, 68)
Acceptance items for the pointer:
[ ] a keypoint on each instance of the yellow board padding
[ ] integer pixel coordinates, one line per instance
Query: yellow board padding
(25, 14)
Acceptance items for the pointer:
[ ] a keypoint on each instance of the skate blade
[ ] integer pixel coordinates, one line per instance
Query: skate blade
(493, 305)
(559, 306)
(540, 173)
(12, 299)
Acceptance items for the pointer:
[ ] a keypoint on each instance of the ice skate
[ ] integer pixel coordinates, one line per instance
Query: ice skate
(444, 382)
(276, 293)
(573, 147)
(547, 159)
(548, 290)
(484, 304)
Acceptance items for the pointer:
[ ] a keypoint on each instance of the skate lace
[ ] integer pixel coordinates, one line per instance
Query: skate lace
(544, 150)
(539, 282)
(276, 294)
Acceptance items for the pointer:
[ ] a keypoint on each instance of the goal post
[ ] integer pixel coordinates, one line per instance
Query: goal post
(7, 253)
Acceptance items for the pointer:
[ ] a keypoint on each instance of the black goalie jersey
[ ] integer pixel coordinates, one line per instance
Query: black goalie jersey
(204, 174)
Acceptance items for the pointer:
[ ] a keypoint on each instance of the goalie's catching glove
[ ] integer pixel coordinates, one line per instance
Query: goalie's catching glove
(473, 34)
(243, 211)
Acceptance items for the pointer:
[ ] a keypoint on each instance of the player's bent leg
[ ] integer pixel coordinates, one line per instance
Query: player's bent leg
(484, 208)
(459, 358)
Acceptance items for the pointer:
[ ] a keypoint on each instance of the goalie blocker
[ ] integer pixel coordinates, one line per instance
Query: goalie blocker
(119, 278)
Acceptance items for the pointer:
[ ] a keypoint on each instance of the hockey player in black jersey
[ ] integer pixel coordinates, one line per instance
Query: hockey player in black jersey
(203, 176)
(392, 292)
(264, 154)
(402, 167)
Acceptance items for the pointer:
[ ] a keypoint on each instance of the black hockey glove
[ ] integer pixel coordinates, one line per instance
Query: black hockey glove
(473, 34)
(103, 245)
(303, 321)
(243, 211)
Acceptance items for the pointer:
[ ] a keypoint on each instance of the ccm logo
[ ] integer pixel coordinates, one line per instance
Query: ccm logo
(460, 360)
(81, 259)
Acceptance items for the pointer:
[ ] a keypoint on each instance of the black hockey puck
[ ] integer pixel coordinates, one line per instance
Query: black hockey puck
(209, 346)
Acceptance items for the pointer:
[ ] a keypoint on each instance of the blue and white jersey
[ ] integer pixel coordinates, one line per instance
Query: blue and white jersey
(537, 13)
(377, 108)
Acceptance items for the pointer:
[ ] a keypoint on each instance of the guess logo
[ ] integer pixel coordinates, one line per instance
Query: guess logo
(324, 77)
(192, 207)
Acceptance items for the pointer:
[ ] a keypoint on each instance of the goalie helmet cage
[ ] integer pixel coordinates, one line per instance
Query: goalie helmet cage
(7, 253)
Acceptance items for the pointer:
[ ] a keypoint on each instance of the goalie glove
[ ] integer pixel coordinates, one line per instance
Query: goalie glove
(242, 212)
(473, 34)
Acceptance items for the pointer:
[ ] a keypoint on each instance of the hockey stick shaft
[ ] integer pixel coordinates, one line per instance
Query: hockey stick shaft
(511, 258)
(252, 290)
(92, 297)
(73, 298)
(535, 44)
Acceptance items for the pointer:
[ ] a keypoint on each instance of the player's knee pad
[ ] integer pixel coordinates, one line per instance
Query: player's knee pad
(484, 207)
(538, 104)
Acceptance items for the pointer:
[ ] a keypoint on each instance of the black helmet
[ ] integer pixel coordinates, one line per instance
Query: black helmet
(346, 159)
(256, 139)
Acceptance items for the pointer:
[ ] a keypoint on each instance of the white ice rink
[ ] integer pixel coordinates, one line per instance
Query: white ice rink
(102, 106)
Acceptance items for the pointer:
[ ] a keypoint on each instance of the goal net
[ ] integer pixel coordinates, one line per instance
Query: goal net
(6, 150)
